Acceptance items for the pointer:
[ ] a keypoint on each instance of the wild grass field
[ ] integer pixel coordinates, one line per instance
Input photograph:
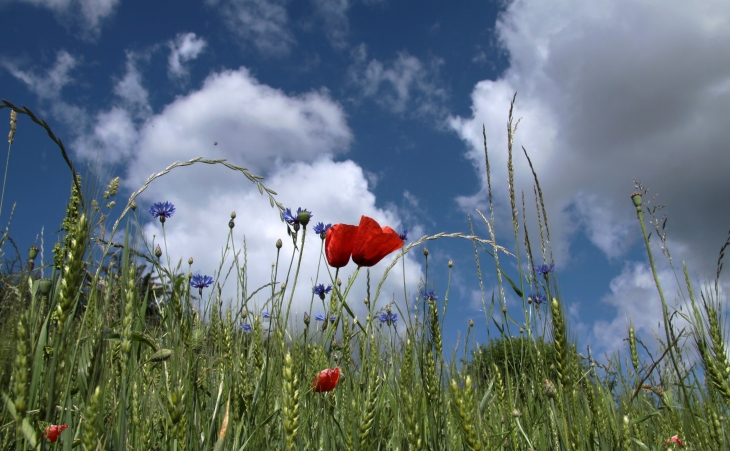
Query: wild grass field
(116, 351)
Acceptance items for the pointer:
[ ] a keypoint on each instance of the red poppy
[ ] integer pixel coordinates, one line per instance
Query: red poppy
(338, 244)
(373, 243)
(53, 431)
(676, 440)
(326, 380)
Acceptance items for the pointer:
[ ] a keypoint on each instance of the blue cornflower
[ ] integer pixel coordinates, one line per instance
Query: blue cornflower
(319, 317)
(403, 236)
(162, 210)
(545, 269)
(321, 229)
(246, 328)
(388, 317)
(429, 295)
(333, 318)
(288, 217)
(537, 298)
(266, 315)
(320, 290)
(302, 217)
(200, 282)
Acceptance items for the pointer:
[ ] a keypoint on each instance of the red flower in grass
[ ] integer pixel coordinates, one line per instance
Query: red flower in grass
(326, 380)
(373, 243)
(338, 244)
(676, 440)
(367, 243)
(53, 431)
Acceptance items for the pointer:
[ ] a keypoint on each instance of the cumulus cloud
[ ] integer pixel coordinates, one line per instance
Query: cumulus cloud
(405, 83)
(291, 140)
(608, 93)
(252, 123)
(184, 48)
(634, 295)
(91, 13)
(113, 135)
(262, 23)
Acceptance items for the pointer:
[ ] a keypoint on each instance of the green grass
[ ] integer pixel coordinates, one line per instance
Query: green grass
(111, 346)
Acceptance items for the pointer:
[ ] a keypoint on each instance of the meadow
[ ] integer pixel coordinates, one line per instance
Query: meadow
(116, 351)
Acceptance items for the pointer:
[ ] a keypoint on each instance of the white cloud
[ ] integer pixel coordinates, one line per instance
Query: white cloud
(262, 23)
(290, 140)
(253, 124)
(114, 135)
(184, 48)
(334, 15)
(610, 236)
(130, 90)
(90, 13)
(49, 85)
(610, 92)
(634, 295)
(405, 83)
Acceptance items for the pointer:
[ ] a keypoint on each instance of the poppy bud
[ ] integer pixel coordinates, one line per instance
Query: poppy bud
(636, 197)
(44, 286)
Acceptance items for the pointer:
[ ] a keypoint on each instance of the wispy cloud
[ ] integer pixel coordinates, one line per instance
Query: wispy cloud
(88, 13)
(404, 85)
(334, 15)
(48, 84)
(261, 23)
(185, 47)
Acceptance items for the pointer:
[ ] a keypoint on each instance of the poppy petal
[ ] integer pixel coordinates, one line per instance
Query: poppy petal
(373, 243)
(338, 244)
(326, 380)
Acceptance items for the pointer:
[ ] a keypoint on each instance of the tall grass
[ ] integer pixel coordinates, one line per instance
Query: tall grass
(112, 347)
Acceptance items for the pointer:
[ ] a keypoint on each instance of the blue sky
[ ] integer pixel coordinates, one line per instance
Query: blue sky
(376, 107)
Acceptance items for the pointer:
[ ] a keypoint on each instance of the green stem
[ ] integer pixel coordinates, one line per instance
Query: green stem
(665, 312)
(296, 275)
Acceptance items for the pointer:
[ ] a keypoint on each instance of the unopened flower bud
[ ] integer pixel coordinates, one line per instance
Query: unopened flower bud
(425, 251)
(233, 215)
(471, 323)
(304, 216)
(133, 205)
(190, 261)
(158, 251)
(451, 263)
(636, 197)
(278, 243)
(231, 224)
